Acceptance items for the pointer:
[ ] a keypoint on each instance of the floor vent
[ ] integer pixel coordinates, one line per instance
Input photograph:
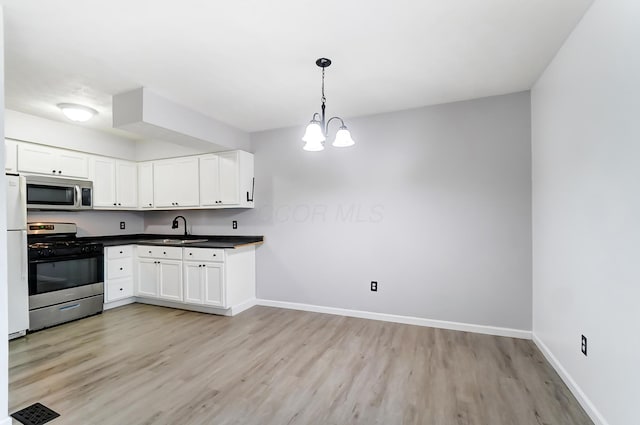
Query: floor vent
(36, 414)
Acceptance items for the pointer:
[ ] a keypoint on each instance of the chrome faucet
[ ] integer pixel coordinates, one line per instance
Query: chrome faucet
(174, 224)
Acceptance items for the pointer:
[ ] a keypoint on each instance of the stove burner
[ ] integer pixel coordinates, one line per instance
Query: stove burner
(62, 248)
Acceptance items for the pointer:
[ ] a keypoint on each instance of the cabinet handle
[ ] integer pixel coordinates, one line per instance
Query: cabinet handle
(164, 253)
(114, 204)
(253, 190)
(149, 204)
(120, 252)
(191, 253)
(119, 204)
(120, 268)
(149, 252)
(54, 171)
(59, 171)
(121, 289)
(214, 255)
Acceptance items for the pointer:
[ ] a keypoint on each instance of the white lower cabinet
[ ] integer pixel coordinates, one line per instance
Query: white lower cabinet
(147, 281)
(159, 279)
(207, 277)
(170, 280)
(159, 272)
(118, 273)
(204, 283)
(118, 289)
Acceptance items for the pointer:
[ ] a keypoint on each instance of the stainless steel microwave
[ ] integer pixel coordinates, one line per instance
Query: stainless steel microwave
(54, 193)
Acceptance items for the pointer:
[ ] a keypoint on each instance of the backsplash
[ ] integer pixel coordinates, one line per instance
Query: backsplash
(94, 222)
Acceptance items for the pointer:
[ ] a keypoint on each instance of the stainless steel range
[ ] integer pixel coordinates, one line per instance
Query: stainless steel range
(65, 275)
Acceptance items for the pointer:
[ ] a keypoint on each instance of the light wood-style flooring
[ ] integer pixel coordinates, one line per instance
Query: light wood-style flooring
(142, 364)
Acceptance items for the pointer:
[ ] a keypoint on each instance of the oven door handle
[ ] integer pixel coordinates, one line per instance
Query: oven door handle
(24, 254)
(98, 256)
(69, 307)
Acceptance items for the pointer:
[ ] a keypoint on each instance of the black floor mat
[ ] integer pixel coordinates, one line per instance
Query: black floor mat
(36, 414)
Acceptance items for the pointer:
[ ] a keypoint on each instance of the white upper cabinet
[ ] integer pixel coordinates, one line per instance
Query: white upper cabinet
(210, 180)
(103, 175)
(175, 183)
(217, 180)
(72, 164)
(10, 156)
(145, 185)
(126, 184)
(114, 183)
(226, 179)
(229, 178)
(52, 161)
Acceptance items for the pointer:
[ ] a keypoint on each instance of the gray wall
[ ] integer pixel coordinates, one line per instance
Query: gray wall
(94, 222)
(586, 210)
(433, 203)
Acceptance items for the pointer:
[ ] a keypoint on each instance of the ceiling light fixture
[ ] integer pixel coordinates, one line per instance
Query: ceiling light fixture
(75, 112)
(317, 130)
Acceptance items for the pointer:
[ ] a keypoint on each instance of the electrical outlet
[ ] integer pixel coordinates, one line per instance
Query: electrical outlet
(234, 224)
(584, 345)
(122, 225)
(374, 286)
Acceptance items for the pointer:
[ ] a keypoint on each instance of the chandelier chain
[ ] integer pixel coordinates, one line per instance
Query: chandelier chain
(323, 98)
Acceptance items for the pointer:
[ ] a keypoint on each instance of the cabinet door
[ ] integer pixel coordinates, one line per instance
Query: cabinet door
(209, 180)
(229, 178)
(164, 184)
(187, 185)
(214, 293)
(117, 289)
(145, 185)
(193, 282)
(147, 282)
(171, 280)
(103, 174)
(126, 184)
(10, 156)
(37, 159)
(175, 183)
(72, 164)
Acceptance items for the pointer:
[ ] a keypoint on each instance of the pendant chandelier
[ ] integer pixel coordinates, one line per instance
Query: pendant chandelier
(317, 130)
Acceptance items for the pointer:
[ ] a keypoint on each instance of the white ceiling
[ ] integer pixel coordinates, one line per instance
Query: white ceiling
(250, 63)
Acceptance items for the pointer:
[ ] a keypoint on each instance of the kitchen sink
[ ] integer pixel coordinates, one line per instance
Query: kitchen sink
(172, 241)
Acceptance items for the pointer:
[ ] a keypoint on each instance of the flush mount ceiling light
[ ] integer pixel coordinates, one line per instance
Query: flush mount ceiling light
(317, 130)
(75, 112)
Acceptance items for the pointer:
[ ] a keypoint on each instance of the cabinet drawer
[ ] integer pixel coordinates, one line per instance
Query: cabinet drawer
(168, 252)
(120, 267)
(118, 289)
(204, 254)
(123, 251)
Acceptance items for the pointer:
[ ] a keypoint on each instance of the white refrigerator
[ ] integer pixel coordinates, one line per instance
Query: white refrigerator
(17, 261)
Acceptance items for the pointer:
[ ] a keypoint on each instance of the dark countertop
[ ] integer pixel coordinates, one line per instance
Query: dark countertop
(228, 242)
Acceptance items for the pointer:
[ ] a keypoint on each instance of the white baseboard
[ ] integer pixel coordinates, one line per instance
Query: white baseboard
(418, 321)
(237, 309)
(183, 306)
(119, 303)
(582, 398)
